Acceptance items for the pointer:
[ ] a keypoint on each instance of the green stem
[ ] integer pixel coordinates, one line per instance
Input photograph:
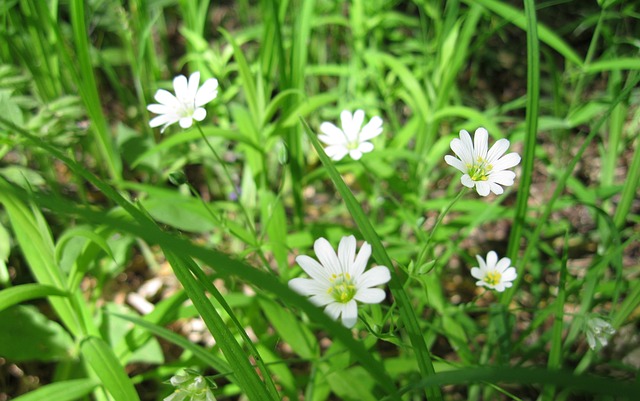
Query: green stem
(443, 213)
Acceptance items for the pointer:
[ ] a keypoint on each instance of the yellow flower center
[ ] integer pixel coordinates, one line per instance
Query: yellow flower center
(342, 288)
(480, 170)
(492, 278)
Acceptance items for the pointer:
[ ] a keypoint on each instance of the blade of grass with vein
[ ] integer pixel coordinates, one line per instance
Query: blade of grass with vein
(89, 92)
(225, 266)
(68, 390)
(104, 363)
(26, 292)
(39, 254)
(531, 123)
(246, 375)
(510, 374)
(555, 355)
(199, 352)
(629, 189)
(407, 313)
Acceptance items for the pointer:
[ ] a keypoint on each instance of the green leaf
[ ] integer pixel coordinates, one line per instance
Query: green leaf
(69, 390)
(107, 367)
(290, 329)
(26, 292)
(28, 335)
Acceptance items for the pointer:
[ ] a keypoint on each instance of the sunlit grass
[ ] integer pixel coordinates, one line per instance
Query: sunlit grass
(143, 253)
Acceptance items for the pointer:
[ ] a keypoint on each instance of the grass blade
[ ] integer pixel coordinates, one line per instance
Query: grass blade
(69, 390)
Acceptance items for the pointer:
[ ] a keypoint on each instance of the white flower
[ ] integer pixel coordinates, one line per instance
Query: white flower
(495, 274)
(598, 331)
(187, 103)
(190, 387)
(484, 168)
(353, 138)
(338, 281)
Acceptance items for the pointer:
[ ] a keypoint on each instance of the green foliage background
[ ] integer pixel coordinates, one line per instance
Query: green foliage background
(95, 202)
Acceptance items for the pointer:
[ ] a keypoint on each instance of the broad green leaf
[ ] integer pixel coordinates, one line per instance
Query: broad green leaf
(27, 335)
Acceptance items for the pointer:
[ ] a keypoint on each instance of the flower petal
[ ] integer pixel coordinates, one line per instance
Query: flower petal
(497, 150)
(167, 98)
(350, 314)
(307, 286)
(207, 92)
(199, 114)
(481, 143)
(163, 119)
(333, 135)
(321, 299)
(186, 122)
(360, 263)
(495, 188)
(365, 147)
(483, 188)
(181, 87)
(372, 129)
(509, 274)
(456, 163)
(192, 86)
(467, 181)
(475, 273)
(333, 310)
(160, 109)
(374, 276)
(492, 259)
(314, 269)
(347, 252)
(327, 256)
(336, 152)
(507, 161)
(370, 295)
(503, 178)
(463, 152)
(353, 131)
(355, 154)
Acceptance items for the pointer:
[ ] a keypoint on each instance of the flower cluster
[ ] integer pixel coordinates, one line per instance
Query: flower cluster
(493, 273)
(483, 168)
(353, 138)
(190, 387)
(186, 105)
(598, 332)
(339, 280)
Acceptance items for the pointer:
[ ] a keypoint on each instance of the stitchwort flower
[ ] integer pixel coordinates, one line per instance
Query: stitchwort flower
(353, 138)
(495, 274)
(187, 103)
(598, 332)
(190, 387)
(484, 168)
(338, 281)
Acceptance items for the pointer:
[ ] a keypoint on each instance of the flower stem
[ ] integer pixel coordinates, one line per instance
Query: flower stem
(443, 213)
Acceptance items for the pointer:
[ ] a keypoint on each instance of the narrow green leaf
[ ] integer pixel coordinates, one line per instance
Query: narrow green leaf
(104, 363)
(511, 374)
(199, 352)
(27, 292)
(517, 18)
(69, 390)
(244, 372)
